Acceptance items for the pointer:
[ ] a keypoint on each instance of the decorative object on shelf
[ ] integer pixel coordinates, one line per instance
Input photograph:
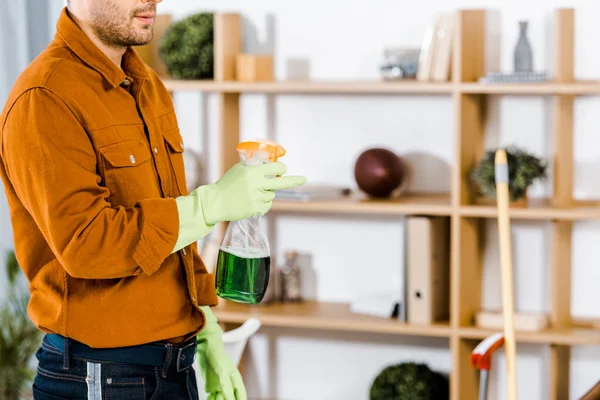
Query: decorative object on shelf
(291, 279)
(400, 63)
(254, 68)
(409, 380)
(523, 54)
(187, 47)
(379, 172)
(523, 169)
(525, 322)
(19, 337)
(522, 61)
(313, 192)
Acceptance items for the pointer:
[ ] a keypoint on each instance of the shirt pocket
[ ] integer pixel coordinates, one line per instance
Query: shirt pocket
(175, 148)
(129, 172)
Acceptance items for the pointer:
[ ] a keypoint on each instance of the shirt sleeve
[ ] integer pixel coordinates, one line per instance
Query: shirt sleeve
(52, 167)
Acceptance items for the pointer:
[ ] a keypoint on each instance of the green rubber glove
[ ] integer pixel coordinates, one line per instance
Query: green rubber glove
(243, 192)
(222, 380)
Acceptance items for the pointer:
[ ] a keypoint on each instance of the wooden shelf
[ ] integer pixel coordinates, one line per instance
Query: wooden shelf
(436, 204)
(542, 88)
(338, 317)
(567, 336)
(323, 316)
(315, 87)
(430, 204)
(383, 87)
(536, 210)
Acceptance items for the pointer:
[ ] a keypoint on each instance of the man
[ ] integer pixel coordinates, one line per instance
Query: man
(104, 229)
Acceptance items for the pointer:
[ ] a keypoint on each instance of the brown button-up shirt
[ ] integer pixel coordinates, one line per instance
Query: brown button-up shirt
(91, 160)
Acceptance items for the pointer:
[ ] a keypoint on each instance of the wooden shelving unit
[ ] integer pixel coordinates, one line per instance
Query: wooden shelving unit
(467, 217)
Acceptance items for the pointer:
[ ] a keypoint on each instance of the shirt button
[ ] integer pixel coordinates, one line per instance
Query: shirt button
(132, 158)
(156, 150)
(184, 252)
(126, 82)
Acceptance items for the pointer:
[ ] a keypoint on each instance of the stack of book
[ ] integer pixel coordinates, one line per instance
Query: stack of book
(312, 192)
(514, 77)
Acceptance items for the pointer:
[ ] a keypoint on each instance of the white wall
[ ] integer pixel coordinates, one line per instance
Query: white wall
(324, 134)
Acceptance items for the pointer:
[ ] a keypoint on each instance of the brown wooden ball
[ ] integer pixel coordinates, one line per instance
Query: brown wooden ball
(378, 172)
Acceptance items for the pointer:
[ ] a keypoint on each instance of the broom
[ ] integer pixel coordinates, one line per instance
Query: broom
(501, 176)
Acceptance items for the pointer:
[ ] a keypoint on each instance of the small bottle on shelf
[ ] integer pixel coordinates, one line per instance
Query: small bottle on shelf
(291, 287)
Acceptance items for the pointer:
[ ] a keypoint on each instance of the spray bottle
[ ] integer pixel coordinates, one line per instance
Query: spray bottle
(244, 260)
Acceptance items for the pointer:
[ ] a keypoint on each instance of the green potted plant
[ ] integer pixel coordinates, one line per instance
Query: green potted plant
(523, 170)
(19, 337)
(187, 46)
(409, 381)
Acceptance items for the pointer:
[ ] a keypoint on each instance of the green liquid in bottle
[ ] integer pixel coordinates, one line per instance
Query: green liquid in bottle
(242, 276)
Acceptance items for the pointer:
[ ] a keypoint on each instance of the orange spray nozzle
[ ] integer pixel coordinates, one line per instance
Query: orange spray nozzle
(268, 148)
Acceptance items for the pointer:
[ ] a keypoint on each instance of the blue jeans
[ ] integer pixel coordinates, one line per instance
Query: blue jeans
(70, 370)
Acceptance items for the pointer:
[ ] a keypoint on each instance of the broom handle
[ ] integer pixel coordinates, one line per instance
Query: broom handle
(502, 193)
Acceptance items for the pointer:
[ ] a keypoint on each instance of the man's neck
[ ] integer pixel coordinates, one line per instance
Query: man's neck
(113, 53)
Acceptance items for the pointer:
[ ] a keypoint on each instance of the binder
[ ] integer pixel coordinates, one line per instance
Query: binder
(428, 269)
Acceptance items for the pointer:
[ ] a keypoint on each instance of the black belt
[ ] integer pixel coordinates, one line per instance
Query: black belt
(154, 354)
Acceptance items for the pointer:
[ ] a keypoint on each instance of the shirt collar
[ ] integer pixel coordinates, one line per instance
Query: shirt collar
(77, 40)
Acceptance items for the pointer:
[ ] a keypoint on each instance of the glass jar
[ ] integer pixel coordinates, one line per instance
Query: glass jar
(291, 279)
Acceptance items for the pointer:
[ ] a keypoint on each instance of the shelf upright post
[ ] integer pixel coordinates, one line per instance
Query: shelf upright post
(560, 290)
(227, 45)
(465, 282)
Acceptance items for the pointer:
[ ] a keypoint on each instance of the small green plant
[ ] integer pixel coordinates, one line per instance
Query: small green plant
(19, 337)
(409, 381)
(523, 169)
(186, 47)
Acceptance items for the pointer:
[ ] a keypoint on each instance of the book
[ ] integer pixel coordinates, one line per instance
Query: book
(529, 322)
(426, 56)
(442, 58)
(312, 192)
(514, 77)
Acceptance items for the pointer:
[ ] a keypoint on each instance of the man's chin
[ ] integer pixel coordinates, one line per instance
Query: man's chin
(142, 40)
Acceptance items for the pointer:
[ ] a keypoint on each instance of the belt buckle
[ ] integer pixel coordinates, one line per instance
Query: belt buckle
(180, 357)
